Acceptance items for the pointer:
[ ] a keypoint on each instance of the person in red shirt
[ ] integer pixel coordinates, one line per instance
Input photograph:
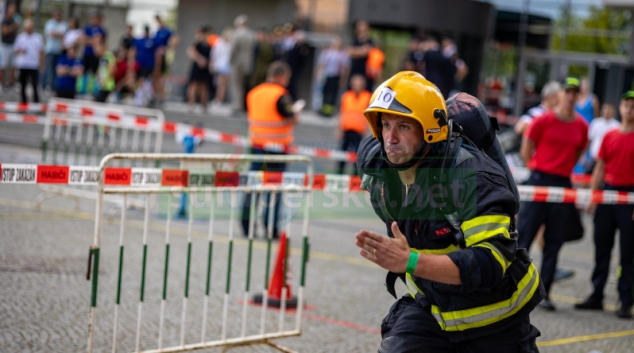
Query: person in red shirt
(125, 73)
(352, 123)
(551, 147)
(614, 170)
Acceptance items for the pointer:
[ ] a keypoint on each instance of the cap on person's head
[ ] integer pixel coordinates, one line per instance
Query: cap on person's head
(628, 95)
(571, 82)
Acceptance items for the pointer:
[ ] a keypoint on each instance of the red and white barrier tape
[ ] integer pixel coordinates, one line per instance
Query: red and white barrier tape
(79, 175)
(118, 119)
(16, 107)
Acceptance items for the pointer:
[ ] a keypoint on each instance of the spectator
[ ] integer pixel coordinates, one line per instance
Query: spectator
(211, 39)
(68, 68)
(264, 56)
(614, 171)
(286, 40)
(296, 58)
(73, 36)
(551, 147)
(126, 72)
(272, 117)
(105, 72)
(242, 45)
(414, 57)
(211, 36)
(587, 104)
(145, 55)
(352, 121)
(550, 91)
(199, 52)
(164, 39)
(598, 128)
(549, 94)
(359, 52)
(127, 41)
(332, 67)
(9, 29)
(450, 51)
(93, 33)
(29, 47)
(438, 69)
(54, 31)
(220, 57)
(374, 64)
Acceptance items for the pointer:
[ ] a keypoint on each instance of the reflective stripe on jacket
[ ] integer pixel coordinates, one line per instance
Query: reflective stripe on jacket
(266, 124)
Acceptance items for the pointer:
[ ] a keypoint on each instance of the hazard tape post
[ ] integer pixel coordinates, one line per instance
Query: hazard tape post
(81, 132)
(225, 188)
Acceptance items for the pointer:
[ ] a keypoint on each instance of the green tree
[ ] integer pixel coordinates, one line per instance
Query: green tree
(603, 19)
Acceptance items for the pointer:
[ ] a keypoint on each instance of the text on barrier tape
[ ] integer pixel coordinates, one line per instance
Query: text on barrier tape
(114, 176)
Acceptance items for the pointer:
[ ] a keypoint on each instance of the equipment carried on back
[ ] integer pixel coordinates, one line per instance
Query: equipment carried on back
(469, 113)
(469, 120)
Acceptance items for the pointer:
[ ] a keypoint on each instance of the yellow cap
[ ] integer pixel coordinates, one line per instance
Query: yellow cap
(410, 94)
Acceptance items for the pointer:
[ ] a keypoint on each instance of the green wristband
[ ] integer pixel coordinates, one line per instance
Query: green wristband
(411, 263)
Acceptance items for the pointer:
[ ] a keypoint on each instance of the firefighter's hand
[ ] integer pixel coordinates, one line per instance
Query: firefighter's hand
(390, 253)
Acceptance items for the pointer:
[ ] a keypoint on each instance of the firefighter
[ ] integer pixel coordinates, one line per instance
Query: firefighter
(272, 116)
(448, 210)
(614, 171)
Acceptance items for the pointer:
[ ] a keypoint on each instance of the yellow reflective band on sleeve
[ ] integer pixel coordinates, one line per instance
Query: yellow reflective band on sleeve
(447, 250)
(480, 228)
(412, 288)
(461, 320)
(497, 254)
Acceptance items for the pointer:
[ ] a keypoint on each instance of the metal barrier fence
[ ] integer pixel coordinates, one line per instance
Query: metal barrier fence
(82, 132)
(221, 187)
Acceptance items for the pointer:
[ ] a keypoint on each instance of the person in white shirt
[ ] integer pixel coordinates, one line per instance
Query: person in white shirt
(598, 128)
(549, 101)
(29, 47)
(54, 31)
(73, 35)
(220, 64)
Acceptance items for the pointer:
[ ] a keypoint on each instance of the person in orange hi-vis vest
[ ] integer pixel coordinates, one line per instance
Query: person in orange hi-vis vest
(272, 115)
(352, 123)
(374, 65)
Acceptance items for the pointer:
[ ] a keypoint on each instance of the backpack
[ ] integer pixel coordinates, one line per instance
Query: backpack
(469, 113)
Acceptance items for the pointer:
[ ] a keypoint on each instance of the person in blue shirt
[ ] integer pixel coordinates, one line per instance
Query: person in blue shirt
(145, 54)
(146, 57)
(164, 39)
(93, 32)
(68, 68)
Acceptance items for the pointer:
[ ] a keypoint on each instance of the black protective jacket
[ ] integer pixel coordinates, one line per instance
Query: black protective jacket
(500, 285)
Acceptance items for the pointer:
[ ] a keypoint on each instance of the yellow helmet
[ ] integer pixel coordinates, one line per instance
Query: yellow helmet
(410, 94)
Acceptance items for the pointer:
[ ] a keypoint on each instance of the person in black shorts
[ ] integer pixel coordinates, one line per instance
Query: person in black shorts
(199, 76)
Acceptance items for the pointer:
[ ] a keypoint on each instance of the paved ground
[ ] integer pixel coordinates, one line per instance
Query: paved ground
(45, 296)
